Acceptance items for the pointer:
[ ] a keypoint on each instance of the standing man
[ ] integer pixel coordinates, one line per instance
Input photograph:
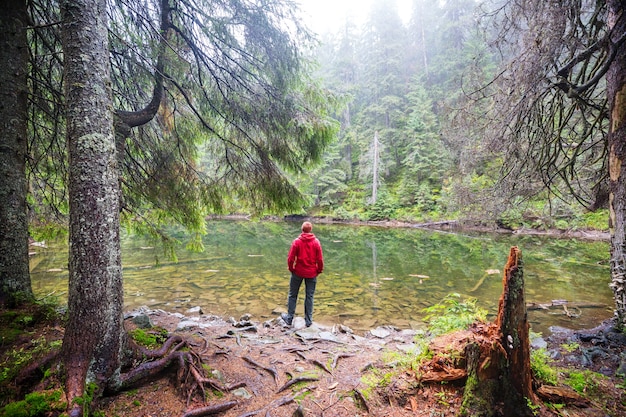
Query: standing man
(306, 262)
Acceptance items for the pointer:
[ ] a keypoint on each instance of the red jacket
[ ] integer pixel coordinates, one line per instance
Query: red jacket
(305, 257)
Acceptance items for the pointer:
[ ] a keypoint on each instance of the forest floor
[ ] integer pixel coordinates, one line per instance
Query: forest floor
(340, 373)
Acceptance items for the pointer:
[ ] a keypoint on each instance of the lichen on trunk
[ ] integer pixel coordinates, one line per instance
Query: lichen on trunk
(94, 332)
(616, 95)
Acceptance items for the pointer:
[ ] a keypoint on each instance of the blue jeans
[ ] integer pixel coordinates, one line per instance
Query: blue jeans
(294, 288)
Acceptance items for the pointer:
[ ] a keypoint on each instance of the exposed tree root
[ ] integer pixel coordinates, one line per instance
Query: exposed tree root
(339, 356)
(190, 374)
(271, 370)
(560, 395)
(314, 362)
(275, 404)
(297, 380)
(321, 365)
(34, 371)
(152, 368)
(211, 409)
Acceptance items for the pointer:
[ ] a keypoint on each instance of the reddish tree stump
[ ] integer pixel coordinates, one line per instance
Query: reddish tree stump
(499, 379)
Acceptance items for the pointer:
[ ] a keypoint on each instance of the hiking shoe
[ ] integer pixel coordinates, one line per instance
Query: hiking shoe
(286, 318)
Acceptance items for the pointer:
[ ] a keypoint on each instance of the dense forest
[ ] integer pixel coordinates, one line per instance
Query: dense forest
(425, 129)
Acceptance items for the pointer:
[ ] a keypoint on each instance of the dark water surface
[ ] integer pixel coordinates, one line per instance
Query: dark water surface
(373, 276)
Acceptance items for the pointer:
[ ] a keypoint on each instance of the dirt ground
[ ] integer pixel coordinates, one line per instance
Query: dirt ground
(341, 373)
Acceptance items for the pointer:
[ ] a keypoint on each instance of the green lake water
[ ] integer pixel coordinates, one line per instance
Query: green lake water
(373, 276)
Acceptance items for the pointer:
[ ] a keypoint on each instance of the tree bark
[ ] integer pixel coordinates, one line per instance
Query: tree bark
(616, 94)
(500, 370)
(15, 285)
(514, 329)
(94, 332)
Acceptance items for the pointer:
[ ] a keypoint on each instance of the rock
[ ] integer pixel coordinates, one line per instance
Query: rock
(187, 324)
(242, 393)
(408, 348)
(328, 336)
(217, 374)
(555, 354)
(298, 323)
(621, 369)
(246, 317)
(340, 328)
(143, 321)
(380, 332)
(408, 332)
(308, 333)
(195, 310)
(538, 343)
(359, 339)
(244, 323)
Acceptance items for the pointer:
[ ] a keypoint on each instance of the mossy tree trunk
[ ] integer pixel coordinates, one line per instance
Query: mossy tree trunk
(499, 372)
(616, 95)
(15, 285)
(94, 332)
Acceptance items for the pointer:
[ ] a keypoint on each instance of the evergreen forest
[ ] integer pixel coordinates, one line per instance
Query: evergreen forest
(425, 104)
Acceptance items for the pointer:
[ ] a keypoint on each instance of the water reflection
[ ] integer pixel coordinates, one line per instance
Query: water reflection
(373, 276)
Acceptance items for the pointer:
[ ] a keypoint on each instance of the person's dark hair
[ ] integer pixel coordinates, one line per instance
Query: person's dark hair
(307, 227)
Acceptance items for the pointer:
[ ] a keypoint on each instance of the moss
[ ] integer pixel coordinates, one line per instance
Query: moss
(35, 404)
(481, 399)
(151, 339)
(584, 382)
(9, 335)
(541, 369)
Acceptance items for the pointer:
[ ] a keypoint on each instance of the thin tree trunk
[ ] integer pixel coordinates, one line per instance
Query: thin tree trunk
(15, 283)
(616, 93)
(375, 170)
(92, 341)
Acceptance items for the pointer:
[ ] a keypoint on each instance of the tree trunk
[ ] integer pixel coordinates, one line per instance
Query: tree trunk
(500, 371)
(514, 330)
(93, 335)
(375, 169)
(15, 285)
(616, 94)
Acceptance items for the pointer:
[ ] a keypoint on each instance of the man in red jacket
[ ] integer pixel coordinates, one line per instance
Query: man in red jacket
(306, 262)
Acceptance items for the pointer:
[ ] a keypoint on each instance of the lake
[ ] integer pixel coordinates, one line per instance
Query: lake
(373, 276)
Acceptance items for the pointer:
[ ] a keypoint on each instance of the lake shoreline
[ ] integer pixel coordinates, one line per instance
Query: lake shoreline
(452, 226)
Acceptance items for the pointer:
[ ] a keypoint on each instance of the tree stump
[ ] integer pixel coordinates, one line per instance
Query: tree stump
(499, 379)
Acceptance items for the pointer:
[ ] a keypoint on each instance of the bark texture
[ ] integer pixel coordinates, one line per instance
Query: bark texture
(514, 330)
(15, 283)
(498, 368)
(94, 332)
(616, 94)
